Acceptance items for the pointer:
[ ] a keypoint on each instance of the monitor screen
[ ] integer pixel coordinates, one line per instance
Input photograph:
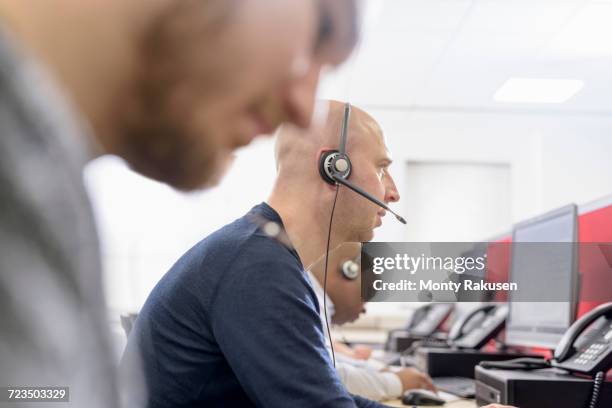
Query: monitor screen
(539, 269)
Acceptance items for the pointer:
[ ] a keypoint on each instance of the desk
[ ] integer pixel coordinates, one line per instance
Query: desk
(454, 404)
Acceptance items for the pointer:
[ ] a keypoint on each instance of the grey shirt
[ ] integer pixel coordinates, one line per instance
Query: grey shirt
(53, 328)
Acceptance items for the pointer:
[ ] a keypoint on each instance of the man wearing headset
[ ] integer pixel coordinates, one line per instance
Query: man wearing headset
(368, 378)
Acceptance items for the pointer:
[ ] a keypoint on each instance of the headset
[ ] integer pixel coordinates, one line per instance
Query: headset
(350, 269)
(335, 167)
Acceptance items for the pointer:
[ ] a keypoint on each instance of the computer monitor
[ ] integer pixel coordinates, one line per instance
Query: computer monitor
(553, 272)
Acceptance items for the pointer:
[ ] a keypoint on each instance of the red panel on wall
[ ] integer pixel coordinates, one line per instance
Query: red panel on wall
(498, 264)
(596, 226)
(596, 284)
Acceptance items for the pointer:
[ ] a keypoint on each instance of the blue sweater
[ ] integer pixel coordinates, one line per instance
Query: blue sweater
(235, 323)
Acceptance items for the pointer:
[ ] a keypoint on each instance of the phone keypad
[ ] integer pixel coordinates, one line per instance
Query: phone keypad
(591, 353)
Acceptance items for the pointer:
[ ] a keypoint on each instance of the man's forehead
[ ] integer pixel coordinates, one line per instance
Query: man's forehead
(368, 125)
(376, 143)
(367, 131)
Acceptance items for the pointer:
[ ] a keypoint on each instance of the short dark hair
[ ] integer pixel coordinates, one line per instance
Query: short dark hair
(327, 29)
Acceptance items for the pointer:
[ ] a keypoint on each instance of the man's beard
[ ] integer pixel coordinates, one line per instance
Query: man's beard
(156, 133)
(158, 141)
(173, 156)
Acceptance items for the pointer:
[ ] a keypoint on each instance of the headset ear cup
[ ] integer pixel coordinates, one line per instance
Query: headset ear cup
(350, 270)
(332, 163)
(325, 166)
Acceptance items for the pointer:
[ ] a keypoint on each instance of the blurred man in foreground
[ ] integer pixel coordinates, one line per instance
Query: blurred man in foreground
(170, 86)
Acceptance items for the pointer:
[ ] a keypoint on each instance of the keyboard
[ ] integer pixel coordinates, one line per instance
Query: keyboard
(461, 386)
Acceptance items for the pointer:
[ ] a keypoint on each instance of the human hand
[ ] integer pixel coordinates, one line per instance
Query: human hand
(412, 378)
(362, 352)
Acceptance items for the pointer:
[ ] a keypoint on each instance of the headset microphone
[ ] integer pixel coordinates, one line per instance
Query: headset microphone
(373, 199)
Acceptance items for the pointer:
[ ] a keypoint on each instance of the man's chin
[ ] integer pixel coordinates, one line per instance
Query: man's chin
(210, 175)
(366, 236)
(223, 164)
(182, 181)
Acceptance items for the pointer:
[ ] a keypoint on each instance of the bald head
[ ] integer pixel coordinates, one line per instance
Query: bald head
(297, 148)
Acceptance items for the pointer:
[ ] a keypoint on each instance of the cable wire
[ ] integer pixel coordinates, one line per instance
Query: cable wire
(597, 383)
(331, 218)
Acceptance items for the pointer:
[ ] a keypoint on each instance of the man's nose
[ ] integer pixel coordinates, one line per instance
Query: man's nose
(391, 193)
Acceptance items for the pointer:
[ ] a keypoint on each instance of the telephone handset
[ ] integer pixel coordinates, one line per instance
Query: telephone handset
(424, 323)
(427, 319)
(479, 326)
(418, 316)
(589, 352)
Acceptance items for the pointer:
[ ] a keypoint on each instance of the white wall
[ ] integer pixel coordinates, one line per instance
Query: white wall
(456, 201)
(554, 159)
(577, 163)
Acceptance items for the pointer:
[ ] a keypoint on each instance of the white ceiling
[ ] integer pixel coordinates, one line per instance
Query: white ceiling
(454, 54)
